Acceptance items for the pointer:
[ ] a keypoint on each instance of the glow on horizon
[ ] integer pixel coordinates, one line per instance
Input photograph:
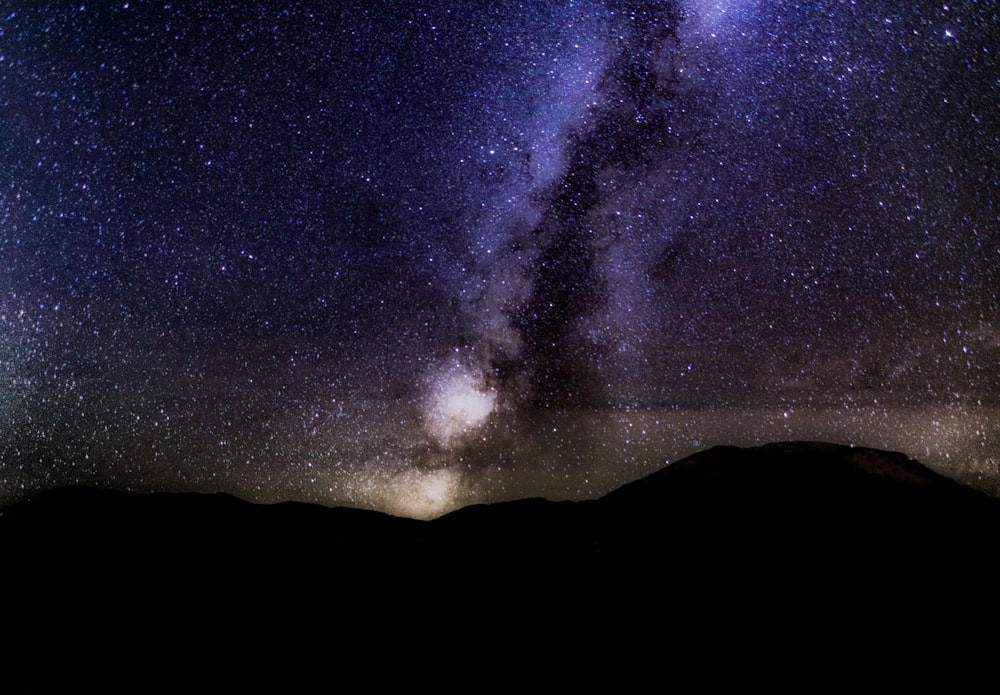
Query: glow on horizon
(423, 494)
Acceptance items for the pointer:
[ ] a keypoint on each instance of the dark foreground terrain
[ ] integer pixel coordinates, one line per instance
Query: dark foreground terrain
(729, 544)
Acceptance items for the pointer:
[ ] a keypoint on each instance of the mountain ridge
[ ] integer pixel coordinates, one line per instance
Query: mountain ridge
(801, 533)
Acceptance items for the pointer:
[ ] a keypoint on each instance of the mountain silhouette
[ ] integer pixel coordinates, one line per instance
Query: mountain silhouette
(798, 534)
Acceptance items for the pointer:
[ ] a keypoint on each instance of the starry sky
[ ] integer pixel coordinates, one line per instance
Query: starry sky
(413, 256)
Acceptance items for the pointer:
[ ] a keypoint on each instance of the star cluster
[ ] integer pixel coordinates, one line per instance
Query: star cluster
(414, 256)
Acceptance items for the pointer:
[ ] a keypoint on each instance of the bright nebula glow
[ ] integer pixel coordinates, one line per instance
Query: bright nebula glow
(459, 403)
(711, 15)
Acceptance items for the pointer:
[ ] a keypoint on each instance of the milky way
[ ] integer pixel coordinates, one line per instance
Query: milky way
(411, 256)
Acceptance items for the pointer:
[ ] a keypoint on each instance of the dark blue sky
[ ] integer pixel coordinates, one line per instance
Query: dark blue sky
(409, 228)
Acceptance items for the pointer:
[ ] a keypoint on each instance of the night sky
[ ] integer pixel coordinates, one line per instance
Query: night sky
(415, 255)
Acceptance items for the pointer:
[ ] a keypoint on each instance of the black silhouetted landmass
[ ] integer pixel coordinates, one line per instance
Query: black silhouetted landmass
(809, 533)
